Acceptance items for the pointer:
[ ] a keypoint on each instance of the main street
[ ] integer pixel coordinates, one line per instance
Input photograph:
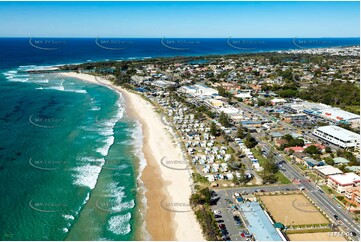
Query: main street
(321, 199)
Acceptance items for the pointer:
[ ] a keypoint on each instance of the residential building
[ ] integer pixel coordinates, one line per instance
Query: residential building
(340, 161)
(341, 182)
(353, 196)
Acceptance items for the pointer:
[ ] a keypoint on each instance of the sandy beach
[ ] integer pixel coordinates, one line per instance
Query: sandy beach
(168, 215)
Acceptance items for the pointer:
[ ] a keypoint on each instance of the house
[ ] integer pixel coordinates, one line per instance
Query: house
(295, 149)
(340, 161)
(341, 182)
(319, 146)
(277, 135)
(280, 142)
(298, 156)
(355, 169)
(309, 162)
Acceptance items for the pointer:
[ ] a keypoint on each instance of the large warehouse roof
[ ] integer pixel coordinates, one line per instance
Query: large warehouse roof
(340, 133)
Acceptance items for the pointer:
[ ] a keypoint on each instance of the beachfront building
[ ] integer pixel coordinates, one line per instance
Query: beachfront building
(338, 136)
(341, 182)
(259, 223)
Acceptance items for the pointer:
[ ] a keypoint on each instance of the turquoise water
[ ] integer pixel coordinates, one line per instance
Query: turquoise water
(68, 155)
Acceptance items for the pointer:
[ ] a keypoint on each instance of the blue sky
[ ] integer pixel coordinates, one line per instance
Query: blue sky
(180, 19)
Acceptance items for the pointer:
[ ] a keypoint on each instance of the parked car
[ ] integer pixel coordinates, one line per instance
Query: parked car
(222, 226)
(217, 212)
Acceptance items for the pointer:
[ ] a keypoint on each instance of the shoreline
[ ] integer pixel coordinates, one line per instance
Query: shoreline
(161, 183)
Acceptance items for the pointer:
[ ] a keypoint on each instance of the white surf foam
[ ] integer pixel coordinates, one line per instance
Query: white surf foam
(105, 149)
(119, 224)
(86, 175)
(18, 79)
(117, 193)
(68, 217)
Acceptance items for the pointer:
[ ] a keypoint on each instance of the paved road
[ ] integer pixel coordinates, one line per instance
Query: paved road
(320, 198)
(266, 188)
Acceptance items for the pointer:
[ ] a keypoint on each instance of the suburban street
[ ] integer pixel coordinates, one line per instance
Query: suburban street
(320, 198)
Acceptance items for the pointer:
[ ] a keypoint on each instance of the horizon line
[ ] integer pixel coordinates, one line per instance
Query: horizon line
(164, 37)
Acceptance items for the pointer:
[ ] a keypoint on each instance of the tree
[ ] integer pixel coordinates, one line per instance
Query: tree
(221, 91)
(296, 142)
(329, 161)
(240, 132)
(250, 141)
(312, 150)
(213, 129)
(223, 119)
(235, 180)
(287, 137)
(270, 169)
(328, 149)
(261, 103)
(243, 179)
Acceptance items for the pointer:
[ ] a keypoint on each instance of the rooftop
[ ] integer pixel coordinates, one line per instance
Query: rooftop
(258, 223)
(340, 160)
(345, 179)
(328, 170)
(339, 114)
(340, 133)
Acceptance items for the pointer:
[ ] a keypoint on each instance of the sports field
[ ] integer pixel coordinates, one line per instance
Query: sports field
(323, 236)
(293, 209)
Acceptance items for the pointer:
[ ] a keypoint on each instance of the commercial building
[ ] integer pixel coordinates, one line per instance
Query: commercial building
(198, 90)
(324, 171)
(294, 118)
(338, 136)
(214, 102)
(244, 94)
(324, 111)
(339, 115)
(259, 223)
(278, 101)
(342, 182)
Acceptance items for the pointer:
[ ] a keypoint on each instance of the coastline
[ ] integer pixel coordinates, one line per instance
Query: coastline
(165, 187)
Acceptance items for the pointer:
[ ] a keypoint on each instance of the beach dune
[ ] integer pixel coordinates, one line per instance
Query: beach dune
(168, 215)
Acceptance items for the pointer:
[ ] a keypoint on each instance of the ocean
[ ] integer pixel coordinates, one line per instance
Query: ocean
(70, 158)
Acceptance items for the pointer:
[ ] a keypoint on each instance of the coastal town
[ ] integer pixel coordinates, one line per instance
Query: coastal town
(268, 161)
